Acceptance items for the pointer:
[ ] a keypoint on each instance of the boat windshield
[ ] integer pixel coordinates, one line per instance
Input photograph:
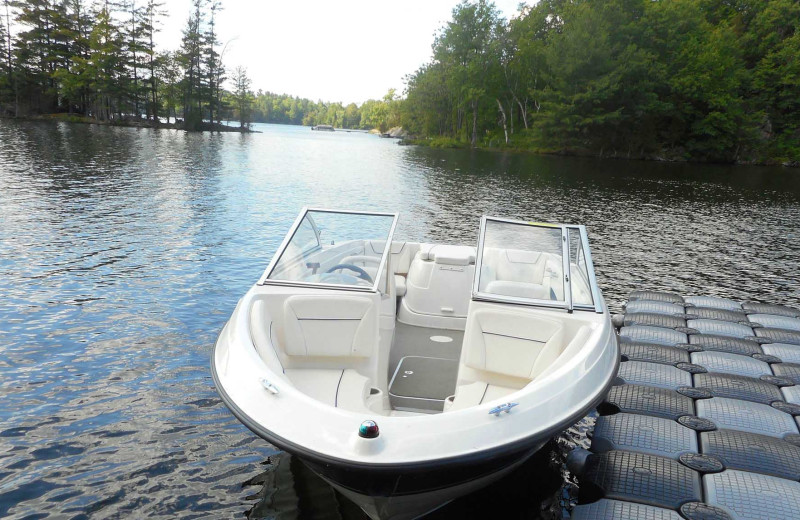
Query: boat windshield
(334, 249)
(535, 264)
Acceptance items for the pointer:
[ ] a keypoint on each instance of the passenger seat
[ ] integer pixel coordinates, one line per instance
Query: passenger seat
(323, 332)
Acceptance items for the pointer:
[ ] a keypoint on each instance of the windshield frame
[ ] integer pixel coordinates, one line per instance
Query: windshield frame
(567, 302)
(265, 280)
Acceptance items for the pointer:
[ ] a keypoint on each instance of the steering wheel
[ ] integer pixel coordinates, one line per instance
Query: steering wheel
(360, 272)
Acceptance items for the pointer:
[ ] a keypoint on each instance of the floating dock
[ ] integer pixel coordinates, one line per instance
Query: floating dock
(703, 423)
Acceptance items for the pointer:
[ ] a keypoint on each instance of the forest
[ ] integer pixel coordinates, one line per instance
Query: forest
(98, 60)
(700, 80)
(703, 80)
(378, 114)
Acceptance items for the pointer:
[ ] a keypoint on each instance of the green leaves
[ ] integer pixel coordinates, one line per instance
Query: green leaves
(685, 79)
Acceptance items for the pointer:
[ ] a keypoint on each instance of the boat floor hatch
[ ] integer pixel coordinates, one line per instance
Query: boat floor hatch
(410, 340)
(423, 383)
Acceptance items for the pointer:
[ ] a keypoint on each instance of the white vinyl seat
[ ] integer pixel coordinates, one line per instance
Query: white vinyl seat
(536, 291)
(346, 389)
(447, 254)
(479, 392)
(326, 337)
(504, 350)
(438, 285)
(329, 326)
(400, 285)
(510, 342)
(520, 266)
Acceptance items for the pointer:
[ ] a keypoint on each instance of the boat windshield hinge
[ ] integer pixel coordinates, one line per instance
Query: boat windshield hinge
(269, 386)
(505, 407)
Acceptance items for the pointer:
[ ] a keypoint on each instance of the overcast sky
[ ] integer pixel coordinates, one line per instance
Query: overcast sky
(345, 50)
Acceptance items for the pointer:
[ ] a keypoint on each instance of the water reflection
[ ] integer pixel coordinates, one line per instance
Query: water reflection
(123, 252)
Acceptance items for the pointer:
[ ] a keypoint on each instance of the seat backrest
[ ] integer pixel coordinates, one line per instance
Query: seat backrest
(511, 342)
(520, 266)
(330, 326)
(447, 254)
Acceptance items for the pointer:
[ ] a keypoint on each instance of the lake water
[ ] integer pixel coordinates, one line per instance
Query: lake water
(123, 252)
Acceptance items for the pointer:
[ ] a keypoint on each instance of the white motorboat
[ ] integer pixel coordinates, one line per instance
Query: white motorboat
(408, 374)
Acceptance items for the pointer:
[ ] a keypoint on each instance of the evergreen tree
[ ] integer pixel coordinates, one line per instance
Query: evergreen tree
(104, 67)
(213, 65)
(135, 50)
(168, 74)
(149, 26)
(242, 96)
(191, 61)
(6, 93)
(36, 55)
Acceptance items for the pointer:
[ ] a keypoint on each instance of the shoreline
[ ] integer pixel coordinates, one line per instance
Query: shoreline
(459, 145)
(129, 123)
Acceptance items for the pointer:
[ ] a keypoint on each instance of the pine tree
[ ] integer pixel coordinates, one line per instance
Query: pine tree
(191, 60)
(36, 52)
(69, 47)
(169, 75)
(5, 76)
(149, 26)
(242, 96)
(104, 67)
(213, 64)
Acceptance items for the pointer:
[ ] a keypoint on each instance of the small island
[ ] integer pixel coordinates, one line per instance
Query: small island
(81, 63)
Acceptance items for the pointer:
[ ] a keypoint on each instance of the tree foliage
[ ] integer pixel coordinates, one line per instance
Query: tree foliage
(679, 79)
(99, 59)
(381, 114)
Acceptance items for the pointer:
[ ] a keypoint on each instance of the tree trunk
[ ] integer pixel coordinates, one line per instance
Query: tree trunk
(502, 118)
(474, 140)
(511, 115)
(523, 111)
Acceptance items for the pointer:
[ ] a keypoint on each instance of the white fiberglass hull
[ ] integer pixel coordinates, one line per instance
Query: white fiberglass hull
(422, 472)
(492, 350)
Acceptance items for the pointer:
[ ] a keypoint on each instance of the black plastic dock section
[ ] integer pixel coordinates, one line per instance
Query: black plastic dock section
(704, 421)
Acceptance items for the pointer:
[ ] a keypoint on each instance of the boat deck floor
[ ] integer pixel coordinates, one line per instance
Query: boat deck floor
(423, 367)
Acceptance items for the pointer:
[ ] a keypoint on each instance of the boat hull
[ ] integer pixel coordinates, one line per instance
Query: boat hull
(439, 488)
(408, 491)
(407, 487)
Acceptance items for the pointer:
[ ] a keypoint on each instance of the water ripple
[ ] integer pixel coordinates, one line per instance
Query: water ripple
(123, 252)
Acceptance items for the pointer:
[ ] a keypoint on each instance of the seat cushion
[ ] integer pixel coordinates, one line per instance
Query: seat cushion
(510, 342)
(319, 384)
(400, 285)
(534, 291)
(346, 389)
(353, 392)
(520, 266)
(476, 393)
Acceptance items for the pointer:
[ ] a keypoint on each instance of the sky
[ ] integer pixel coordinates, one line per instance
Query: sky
(345, 50)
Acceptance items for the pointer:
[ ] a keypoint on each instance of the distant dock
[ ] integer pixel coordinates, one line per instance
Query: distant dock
(703, 421)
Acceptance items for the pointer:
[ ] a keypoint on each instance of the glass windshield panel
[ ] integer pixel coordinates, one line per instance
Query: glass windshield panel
(579, 271)
(335, 248)
(522, 261)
